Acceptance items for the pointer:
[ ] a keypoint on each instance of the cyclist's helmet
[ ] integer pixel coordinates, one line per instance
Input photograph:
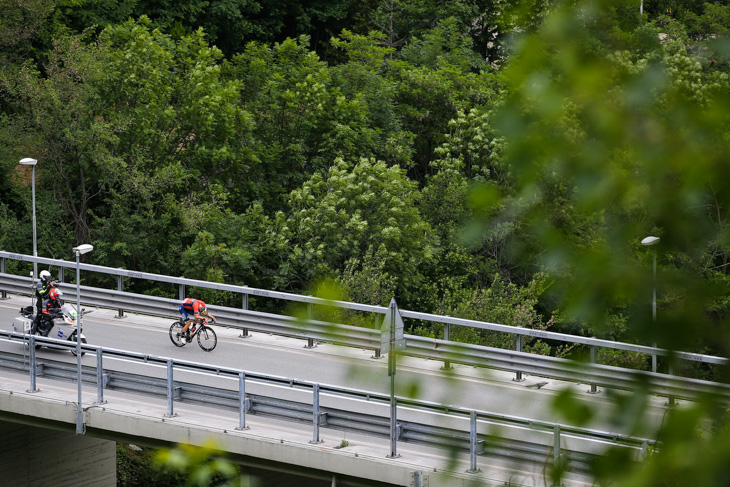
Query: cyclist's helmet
(203, 310)
(45, 276)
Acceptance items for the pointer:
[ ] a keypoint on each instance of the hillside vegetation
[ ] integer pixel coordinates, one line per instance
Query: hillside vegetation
(498, 161)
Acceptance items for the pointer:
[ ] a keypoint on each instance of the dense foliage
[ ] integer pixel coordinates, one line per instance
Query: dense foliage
(183, 465)
(499, 161)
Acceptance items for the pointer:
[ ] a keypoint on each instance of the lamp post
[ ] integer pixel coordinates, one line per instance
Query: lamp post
(32, 162)
(648, 241)
(80, 250)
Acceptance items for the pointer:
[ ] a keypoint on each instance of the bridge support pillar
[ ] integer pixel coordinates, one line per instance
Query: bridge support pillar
(39, 457)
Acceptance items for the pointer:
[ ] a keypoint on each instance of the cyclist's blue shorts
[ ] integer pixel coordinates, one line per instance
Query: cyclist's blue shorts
(184, 313)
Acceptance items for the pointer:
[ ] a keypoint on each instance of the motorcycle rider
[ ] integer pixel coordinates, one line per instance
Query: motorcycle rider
(42, 292)
(198, 309)
(51, 310)
(52, 305)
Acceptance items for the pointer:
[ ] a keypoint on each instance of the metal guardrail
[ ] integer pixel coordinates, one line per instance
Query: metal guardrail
(429, 433)
(428, 348)
(235, 318)
(182, 281)
(545, 366)
(311, 300)
(561, 337)
(447, 321)
(594, 374)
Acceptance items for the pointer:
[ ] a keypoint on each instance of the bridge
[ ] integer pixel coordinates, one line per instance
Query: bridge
(306, 397)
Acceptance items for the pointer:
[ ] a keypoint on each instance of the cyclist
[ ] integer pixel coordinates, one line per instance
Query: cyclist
(198, 309)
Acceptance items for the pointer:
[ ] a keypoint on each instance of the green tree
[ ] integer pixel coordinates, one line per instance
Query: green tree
(184, 138)
(497, 302)
(339, 216)
(434, 84)
(606, 148)
(246, 246)
(21, 20)
(199, 466)
(130, 125)
(60, 111)
(303, 121)
(183, 110)
(363, 75)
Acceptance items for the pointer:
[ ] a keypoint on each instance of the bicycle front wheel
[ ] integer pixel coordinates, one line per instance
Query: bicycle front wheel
(176, 334)
(207, 339)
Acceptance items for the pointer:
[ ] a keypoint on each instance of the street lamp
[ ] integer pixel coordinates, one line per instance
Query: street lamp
(32, 162)
(80, 250)
(648, 241)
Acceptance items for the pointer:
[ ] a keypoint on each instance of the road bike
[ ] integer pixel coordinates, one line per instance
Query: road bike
(207, 338)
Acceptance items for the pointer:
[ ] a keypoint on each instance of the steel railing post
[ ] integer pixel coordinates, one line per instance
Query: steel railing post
(594, 359)
(393, 422)
(473, 442)
(644, 451)
(556, 443)
(170, 390)
(243, 401)
(4, 294)
(417, 474)
(392, 369)
(60, 274)
(377, 321)
(99, 377)
(120, 288)
(670, 397)
(447, 337)
(310, 316)
(181, 291)
(32, 365)
(244, 305)
(518, 347)
(315, 412)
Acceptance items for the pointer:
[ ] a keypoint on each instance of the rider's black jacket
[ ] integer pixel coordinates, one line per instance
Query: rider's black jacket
(42, 292)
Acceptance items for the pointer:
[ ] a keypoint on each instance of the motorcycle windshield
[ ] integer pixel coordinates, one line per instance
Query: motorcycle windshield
(69, 311)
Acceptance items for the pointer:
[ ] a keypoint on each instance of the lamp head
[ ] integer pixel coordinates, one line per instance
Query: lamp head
(83, 249)
(650, 241)
(28, 162)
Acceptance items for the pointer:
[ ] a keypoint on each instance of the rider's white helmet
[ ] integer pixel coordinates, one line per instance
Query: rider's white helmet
(45, 275)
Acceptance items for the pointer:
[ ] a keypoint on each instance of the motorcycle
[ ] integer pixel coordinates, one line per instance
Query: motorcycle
(56, 322)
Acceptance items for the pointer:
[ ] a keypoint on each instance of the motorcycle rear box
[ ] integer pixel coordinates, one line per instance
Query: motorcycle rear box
(22, 325)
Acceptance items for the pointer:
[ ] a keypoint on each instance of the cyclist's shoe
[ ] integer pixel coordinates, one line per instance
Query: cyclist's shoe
(188, 338)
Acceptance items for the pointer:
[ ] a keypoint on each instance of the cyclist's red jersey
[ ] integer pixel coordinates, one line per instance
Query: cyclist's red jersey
(192, 305)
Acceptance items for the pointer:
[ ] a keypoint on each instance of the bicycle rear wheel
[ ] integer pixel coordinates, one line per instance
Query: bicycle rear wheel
(207, 338)
(176, 334)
